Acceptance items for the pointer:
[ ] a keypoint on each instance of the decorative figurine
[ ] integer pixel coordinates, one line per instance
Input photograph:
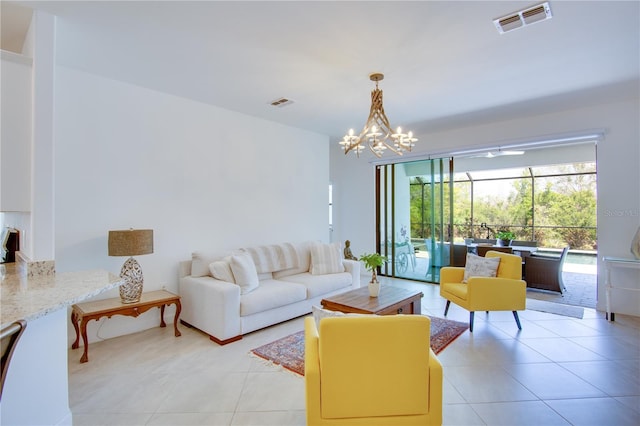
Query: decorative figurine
(347, 251)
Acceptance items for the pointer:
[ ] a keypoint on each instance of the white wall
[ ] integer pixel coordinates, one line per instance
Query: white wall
(15, 125)
(618, 156)
(203, 178)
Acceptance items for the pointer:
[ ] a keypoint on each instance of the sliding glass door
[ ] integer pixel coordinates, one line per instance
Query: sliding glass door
(414, 216)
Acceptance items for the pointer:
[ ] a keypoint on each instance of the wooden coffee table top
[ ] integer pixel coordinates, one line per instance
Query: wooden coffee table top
(359, 301)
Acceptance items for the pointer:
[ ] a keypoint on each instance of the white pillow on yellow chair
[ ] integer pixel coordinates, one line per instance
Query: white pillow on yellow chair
(478, 266)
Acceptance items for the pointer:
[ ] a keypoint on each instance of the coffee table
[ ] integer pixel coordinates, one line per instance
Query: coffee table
(392, 300)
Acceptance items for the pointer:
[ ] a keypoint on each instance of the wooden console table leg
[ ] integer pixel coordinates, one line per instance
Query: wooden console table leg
(162, 323)
(85, 341)
(175, 320)
(74, 321)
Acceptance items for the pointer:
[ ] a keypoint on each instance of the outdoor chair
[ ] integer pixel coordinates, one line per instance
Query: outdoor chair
(371, 370)
(504, 292)
(544, 272)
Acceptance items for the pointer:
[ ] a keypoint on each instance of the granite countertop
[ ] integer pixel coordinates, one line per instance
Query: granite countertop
(29, 298)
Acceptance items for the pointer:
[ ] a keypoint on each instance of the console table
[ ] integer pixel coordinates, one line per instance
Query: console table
(82, 313)
(617, 262)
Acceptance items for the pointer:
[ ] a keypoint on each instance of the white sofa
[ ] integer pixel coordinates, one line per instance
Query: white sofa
(221, 296)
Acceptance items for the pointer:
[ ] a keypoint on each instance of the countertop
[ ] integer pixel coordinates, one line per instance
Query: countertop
(29, 298)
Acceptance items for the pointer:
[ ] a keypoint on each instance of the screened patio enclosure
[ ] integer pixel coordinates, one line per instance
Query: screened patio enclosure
(427, 208)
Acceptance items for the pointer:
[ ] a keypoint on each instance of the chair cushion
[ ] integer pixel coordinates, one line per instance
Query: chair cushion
(459, 290)
(478, 266)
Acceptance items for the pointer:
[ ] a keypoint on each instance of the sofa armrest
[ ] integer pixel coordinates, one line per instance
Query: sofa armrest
(353, 267)
(212, 306)
(311, 370)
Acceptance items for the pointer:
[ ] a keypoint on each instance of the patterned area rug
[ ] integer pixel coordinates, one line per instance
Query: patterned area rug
(288, 352)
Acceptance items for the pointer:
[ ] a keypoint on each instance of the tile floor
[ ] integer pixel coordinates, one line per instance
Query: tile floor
(556, 371)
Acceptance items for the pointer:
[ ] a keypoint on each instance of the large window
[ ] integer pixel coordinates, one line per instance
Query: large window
(553, 205)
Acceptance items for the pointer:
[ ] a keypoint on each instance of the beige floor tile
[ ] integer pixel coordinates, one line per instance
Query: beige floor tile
(595, 411)
(609, 347)
(615, 378)
(632, 402)
(460, 415)
(272, 391)
(203, 390)
(561, 350)
(533, 413)
(270, 418)
(488, 384)
(107, 419)
(190, 419)
(551, 381)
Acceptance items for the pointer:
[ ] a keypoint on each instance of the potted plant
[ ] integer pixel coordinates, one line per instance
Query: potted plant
(371, 263)
(505, 237)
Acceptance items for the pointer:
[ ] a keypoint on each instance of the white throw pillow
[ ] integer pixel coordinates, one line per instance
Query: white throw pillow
(221, 270)
(326, 259)
(478, 266)
(244, 272)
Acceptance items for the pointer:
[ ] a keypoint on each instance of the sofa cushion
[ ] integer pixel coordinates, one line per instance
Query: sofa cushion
(275, 257)
(304, 261)
(269, 295)
(221, 270)
(317, 285)
(326, 259)
(244, 272)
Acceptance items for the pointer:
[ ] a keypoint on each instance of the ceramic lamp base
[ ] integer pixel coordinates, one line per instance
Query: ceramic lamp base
(131, 290)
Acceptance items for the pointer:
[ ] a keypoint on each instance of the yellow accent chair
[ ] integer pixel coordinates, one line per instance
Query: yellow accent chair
(372, 370)
(504, 292)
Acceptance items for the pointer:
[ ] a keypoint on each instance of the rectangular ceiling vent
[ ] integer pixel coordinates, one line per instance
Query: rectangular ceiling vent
(281, 102)
(522, 18)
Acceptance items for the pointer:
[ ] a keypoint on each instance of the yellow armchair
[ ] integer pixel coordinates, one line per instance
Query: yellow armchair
(505, 292)
(372, 370)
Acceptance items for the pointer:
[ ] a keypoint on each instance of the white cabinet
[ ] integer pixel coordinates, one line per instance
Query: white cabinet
(15, 133)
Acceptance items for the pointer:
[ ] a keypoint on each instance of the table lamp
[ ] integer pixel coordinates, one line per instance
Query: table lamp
(132, 242)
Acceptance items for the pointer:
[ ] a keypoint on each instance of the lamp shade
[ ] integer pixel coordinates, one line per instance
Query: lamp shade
(131, 242)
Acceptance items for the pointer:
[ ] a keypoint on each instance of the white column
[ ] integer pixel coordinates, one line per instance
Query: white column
(42, 157)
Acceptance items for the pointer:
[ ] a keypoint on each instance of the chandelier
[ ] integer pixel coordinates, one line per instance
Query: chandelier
(377, 133)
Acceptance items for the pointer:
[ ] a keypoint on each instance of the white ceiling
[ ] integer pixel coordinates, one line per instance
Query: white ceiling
(445, 64)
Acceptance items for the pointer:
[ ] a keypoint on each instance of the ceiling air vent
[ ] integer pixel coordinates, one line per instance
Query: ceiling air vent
(524, 17)
(281, 102)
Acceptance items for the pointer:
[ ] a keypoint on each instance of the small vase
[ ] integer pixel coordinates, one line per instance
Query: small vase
(374, 288)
